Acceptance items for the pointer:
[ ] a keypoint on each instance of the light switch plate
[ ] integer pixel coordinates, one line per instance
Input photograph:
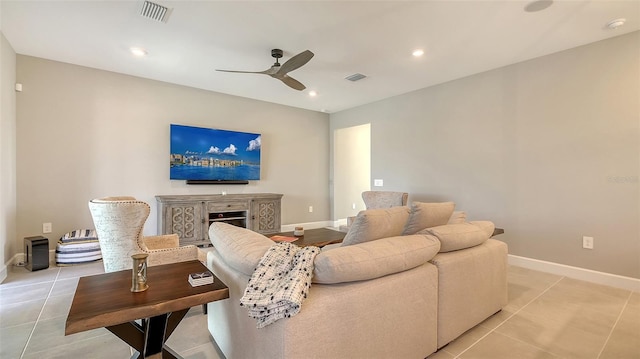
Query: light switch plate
(378, 182)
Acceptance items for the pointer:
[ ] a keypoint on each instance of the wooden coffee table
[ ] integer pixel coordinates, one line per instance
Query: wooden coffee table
(318, 237)
(106, 300)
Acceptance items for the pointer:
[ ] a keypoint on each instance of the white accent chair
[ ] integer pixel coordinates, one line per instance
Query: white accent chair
(384, 199)
(119, 222)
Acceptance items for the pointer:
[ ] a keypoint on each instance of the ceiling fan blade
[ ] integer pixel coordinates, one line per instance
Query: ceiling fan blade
(295, 62)
(291, 82)
(246, 72)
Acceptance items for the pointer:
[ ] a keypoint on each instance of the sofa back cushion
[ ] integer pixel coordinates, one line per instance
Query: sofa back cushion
(374, 259)
(240, 248)
(425, 215)
(453, 237)
(458, 217)
(374, 224)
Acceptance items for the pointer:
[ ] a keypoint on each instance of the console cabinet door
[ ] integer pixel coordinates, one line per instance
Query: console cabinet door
(265, 216)
(185, 220)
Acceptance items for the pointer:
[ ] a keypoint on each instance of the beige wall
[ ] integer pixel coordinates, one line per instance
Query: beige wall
(548, 149)
(84, 133)
(7, 153)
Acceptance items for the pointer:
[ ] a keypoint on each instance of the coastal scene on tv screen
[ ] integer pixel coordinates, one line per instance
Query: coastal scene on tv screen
(211, 154)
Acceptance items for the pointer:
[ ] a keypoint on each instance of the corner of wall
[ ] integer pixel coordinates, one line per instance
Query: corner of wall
(7, 150)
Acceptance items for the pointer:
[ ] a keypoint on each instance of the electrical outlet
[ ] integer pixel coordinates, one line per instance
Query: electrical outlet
(378, 182)
(46, 228)
(310, 209)
(353, 206)
(587, 242)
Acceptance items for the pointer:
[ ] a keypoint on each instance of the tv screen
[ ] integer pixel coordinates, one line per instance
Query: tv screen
(207, 154)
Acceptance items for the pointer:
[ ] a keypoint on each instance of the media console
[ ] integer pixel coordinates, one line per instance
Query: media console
(189, 216)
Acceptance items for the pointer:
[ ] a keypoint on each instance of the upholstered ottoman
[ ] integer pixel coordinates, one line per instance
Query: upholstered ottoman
(77, 247)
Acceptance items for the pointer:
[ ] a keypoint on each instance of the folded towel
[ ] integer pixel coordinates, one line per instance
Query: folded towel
(280, 283)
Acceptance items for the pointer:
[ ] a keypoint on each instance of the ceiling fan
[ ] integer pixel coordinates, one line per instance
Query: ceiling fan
(278, 71)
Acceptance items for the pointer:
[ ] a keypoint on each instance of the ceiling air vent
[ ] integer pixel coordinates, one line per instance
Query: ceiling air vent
(355, 77)
(155, 11)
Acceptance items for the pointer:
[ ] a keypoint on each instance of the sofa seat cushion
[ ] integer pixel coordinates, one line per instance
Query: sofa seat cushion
(373, 224)
(374, 259)
(425, 215)
(240, 248)
(454, 237)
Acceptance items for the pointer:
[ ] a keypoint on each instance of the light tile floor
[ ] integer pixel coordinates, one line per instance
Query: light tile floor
(548, 316)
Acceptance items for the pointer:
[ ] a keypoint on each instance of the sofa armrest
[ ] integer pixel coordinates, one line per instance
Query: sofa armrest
(241, 248)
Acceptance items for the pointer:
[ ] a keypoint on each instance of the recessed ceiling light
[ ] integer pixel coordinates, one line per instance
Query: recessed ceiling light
(417, 52)
(138, 51)
(614, 24)
(313, 93)
(538, 5)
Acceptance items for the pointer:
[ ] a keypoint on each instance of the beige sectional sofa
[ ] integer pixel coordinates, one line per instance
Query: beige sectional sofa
(390, 290)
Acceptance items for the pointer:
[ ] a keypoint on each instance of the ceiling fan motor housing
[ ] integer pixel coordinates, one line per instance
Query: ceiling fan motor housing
(277, 53)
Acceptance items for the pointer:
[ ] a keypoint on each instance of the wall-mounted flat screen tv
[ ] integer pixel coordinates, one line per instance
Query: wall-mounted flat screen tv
(213, 155)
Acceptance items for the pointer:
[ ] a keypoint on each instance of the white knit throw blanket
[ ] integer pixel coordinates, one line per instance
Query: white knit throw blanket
(280, 283)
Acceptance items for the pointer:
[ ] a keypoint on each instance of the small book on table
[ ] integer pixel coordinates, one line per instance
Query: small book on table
(202, 278)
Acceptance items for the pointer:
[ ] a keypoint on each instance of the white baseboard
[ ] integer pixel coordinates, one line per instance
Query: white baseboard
(3, 273)
(20, 258)
(15, 259)
(340, 222)
(612, 280)
(308, 225)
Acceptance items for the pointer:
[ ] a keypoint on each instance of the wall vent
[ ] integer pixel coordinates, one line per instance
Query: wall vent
(154, 11)
(355, 77)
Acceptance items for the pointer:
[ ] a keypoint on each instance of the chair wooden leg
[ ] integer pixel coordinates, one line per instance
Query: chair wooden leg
(204, 308)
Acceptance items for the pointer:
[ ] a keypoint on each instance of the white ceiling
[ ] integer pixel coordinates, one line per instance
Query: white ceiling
(374, 38)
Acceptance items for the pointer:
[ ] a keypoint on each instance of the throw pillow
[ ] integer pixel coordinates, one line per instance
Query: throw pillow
(453, 237)
(372, 224)
(240, 248)
(425, 215)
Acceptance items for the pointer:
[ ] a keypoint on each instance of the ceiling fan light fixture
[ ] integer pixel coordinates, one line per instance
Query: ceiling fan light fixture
(313, 93)
(417, 52)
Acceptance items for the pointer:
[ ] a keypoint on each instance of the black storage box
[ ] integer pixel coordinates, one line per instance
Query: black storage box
(36, 252)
